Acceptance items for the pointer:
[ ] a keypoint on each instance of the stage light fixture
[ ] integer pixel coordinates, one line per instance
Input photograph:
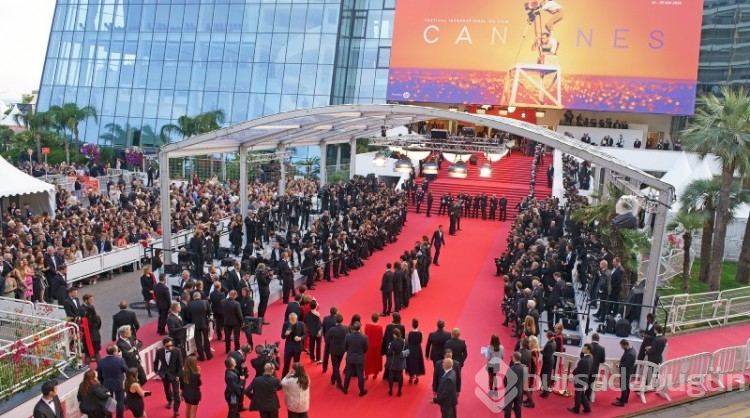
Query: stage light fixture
(380, 160)
(403, 165)
(511, 109)
(429, 167)
(458, 170)
(485, 170)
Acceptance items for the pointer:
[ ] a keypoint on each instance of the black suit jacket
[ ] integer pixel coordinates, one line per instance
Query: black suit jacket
(232, 313)
(438, 239)
(581, 372)
(170, 370)
(446, 394)
(262, 393)
(297, 330)
(615, 281)
(513, 381)
(174, 322)
(598, 357)
(197, 313)
(59, 287)
(293, 307)
(72, 310)
(388, 336)
(111, 371)
(335, 338)
(163, 296)
(438, 373)
(42, 410)
(355, 345)
(627, 362)
(459, 349)
(131, 357)
(386, 284)
(656, 354)
(124, 317)
(435, 349)
(215, 298)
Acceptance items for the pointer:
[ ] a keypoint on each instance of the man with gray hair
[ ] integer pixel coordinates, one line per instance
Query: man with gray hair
(129, 347)
(198, 313)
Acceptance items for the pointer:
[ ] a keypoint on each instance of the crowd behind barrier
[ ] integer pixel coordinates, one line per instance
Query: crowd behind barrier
(709, 308)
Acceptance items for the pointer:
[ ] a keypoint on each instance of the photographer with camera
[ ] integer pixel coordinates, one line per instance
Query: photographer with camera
(168, 365)
(262, 392)
(267, 353)
(239, 360)
(233, 390)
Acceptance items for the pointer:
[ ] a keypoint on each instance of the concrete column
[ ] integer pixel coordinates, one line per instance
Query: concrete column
(282, 166)
(338, 157)
(243, 181)
(352, 157)
(654, 257)
(323, 163)
(164, 204)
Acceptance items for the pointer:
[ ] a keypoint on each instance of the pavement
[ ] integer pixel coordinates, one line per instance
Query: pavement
(734, 404)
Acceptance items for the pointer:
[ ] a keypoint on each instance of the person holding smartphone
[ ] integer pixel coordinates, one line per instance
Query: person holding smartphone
(134, 394)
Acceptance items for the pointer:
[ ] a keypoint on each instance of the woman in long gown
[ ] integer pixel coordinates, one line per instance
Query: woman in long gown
(416, 285)
(373, 358)
(415, 361)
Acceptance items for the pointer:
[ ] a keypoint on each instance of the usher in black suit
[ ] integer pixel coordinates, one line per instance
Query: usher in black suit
(170, 372)
(437, 241)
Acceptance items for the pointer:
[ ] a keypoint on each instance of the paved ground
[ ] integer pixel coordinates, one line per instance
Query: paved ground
(726, 405)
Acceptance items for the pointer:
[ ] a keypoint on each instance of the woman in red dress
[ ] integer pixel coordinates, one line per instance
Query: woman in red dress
(373, 358)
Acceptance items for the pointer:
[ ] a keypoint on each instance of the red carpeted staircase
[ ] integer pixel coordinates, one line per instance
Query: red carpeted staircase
(510, 176)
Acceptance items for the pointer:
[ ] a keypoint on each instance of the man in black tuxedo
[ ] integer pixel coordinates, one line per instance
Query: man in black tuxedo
(550, 175)
(658, 344)
(234, 278)
(627, 369)
(458, 346)
(58, 286)
(72, 305)
(50, 264)
(355, 346)
(262, 393)
(168, 365)
(328, 323)
(648, 335)
(263, 277)
(215, 297)
(457, 367)
(446, 395)
(399, 278)
(435, 347)
(386, 289)
(124, 317)
(430, 199)
(335, 344)
(637, 144)
(129, 347)
(111, 372)
(581, 374)
(175, 325)
(437, 241)
(503, 205)
(294, 307)
(598, 357)
(286, 275)
(198, 313)
(616, 281)
(513, 382)
(293, 332)
(163, 297)
(49, 406)
(233, 320)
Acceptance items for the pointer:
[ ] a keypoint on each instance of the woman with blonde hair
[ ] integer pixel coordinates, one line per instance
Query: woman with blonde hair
(529, 327)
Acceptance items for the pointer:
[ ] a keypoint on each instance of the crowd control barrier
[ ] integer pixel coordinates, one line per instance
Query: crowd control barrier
(678, 372)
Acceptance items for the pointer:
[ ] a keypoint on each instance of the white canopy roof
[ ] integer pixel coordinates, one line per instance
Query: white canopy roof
(38, 194)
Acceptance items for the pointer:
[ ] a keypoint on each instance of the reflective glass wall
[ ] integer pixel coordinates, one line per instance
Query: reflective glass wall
(144, 63)
(725, 44)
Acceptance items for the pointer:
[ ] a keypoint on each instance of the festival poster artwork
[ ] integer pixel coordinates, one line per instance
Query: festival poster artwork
(603, 55)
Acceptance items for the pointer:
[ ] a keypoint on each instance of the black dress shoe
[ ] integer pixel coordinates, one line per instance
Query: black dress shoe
(363, 393)
(618, 403)
(571, 409)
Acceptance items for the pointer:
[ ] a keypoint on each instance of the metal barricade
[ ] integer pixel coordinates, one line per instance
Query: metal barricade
(734, 293)
(18, 306)
(737, 307)
(682, 371)
(726, 362)
(707, 312)
(644, 379)
(601, 381)
(562, 374)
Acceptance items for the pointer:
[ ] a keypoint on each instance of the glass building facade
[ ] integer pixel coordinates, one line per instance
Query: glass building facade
(725, 44)
(144, 63)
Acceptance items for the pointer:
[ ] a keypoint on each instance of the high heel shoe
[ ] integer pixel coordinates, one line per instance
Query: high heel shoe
(416, 380)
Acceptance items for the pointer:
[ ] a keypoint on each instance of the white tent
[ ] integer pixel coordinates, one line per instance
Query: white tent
(15, 185)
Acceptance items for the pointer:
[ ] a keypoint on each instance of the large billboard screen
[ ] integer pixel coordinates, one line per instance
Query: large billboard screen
(600, 55)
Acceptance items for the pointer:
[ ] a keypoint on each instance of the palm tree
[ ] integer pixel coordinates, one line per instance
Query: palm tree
(117, 134)
(148, 136)
(721, 128)
(35, 123)
(6, 135)
(311, 165)
(686, 223)
(187, 126)
(67, 117)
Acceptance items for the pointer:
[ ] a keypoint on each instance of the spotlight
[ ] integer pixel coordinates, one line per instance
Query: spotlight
(429, 168)
(403, 165)
(380, 159)
(485, 170)
(458, 170)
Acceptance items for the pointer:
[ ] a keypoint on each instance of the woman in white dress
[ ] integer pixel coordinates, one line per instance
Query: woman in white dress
(415, 285)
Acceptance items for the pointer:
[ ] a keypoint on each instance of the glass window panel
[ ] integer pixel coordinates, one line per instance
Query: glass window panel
(83, 96)
(123, 102)
(147, 17)
(154, 75)
(239, 108)
(288, 102)
(263, 48)
(137, 100)
(182, 80)
(141, 74)
(144, 49)
(221, 13)
(265, 23)
(271, 104)
(210, 101)
(97, 96)
(166, 98)
(232, 51)
(108, 104)
(126, 74)
(321, 101)
(48, 75)
(59, 19)
(213, 74)
(157, 50)
(384, 57)
(255, 106)
(381, 82)
(304, 102)
(234, 23)
(161, 20)
(389, 4)
(294, 48)
(205, 17)
(203, 51)
(370, 56)
(225, 103)
(281, 18)
(180, 104)
(190, 19)
(173, 51)
(169, 75)
(152, 103)
(195, 102)
(247, 48)
(386, 25)
(216, 51)
(279, 47)
(323, 80)
(198, 76)
(314, 21)
(187, 49)
(113, 74)
(58, 96)
(61, 71)
(327, 49)
(258, 84)
(132, 16)
(307, 78)
(366, 82)
(244, 75)
(70, 18)
(331, 19)
(228, 74)
(250, 22)
(311, 49)
(275, 78)
(297, 22)
(291, 79)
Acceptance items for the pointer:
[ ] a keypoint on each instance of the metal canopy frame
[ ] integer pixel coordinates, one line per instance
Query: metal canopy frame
(345, 123)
